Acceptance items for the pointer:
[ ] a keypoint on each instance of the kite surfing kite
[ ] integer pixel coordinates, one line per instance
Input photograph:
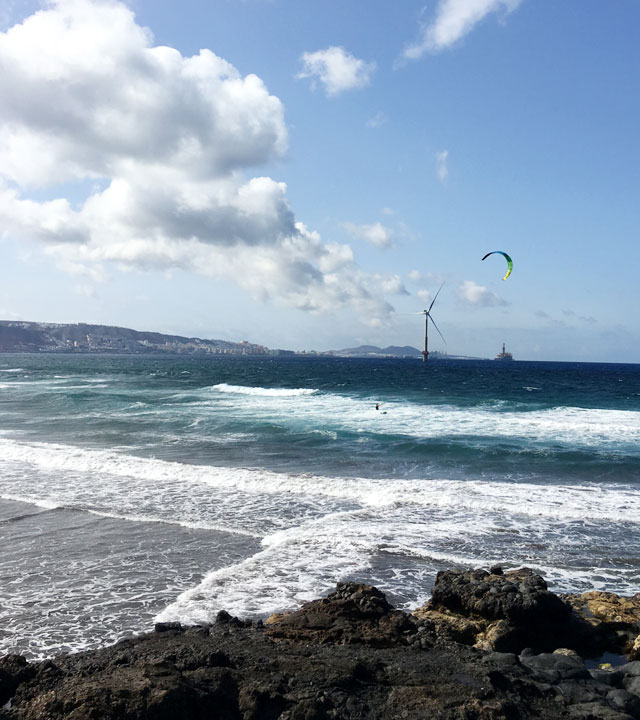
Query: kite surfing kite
(508, 259)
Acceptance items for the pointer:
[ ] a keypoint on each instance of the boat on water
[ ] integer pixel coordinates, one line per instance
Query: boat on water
(504, 355)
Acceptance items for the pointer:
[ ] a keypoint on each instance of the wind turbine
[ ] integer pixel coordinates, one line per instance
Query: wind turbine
(427, 317)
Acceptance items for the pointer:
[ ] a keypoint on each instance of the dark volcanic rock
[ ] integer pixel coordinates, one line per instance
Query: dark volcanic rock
(349, 656)
(504, 611)
(354, 613)
(14, 669)
(520, 596)
(552, 667)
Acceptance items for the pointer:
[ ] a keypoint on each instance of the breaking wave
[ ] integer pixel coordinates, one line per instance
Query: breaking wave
(264, 392)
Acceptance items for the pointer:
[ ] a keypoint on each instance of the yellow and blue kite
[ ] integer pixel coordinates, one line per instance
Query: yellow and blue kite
(509, 261)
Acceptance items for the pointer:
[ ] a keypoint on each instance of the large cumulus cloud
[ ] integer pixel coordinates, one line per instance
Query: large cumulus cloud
(169, 146)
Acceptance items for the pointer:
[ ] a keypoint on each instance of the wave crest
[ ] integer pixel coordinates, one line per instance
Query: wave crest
(263, 392)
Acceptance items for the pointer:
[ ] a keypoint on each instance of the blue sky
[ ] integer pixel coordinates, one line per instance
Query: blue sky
(321, 168)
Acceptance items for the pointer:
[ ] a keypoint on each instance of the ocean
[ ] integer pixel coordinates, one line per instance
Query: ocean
(136, 489)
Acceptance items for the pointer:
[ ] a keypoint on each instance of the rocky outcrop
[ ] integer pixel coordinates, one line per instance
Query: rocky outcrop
(348, 656)
(353, 614)
(508, 612)
(615, 620)
(519, 596)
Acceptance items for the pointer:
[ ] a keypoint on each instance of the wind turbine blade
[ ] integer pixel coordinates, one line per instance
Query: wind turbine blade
(434, 299)
(437, 328)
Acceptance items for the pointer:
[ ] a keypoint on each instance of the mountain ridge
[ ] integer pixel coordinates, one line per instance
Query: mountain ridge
(374, 350)
(28, 336)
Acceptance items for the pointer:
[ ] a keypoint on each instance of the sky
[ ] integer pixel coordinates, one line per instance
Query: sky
(307, 175)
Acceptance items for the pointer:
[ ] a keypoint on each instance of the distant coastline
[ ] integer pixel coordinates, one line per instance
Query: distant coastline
(393, 351)
(17, 336)
(82, 338)
(22, 336)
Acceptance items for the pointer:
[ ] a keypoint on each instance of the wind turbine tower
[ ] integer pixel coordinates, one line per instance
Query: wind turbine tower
(427, 317)
(425, 352)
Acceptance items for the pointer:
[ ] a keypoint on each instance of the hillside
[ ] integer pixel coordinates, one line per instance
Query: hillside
(375, 351)
(18, 336)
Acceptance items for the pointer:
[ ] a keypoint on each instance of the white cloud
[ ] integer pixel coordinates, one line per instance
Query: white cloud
(376, 234)
(92, 273)
(377, 120)
(427, 296)
(473, 294)
(164, 142)
(85, 290)
(87, 96)
(390, 284)
(442, 168)
(419, 276)
(454, 19)
(336, 69)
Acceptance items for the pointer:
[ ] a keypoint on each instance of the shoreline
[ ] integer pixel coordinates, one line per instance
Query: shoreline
(488, 645)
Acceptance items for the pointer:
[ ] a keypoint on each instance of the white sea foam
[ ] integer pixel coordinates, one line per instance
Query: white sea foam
(61, 591)
(46, 504)
(295, 566)
(601, 501)
(262, 392)
(318, 529)
(567, 425)
(596, 429)
(85, 386)
(303, 562)
(131, 517)
(62, 383)
(48, 382)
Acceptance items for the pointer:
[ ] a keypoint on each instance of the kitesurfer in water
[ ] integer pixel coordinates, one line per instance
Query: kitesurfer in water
(377, 406)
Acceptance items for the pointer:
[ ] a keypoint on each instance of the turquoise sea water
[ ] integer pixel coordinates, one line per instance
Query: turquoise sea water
(138, 488)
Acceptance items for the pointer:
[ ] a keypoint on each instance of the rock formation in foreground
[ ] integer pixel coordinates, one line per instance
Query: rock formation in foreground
(488, 645)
